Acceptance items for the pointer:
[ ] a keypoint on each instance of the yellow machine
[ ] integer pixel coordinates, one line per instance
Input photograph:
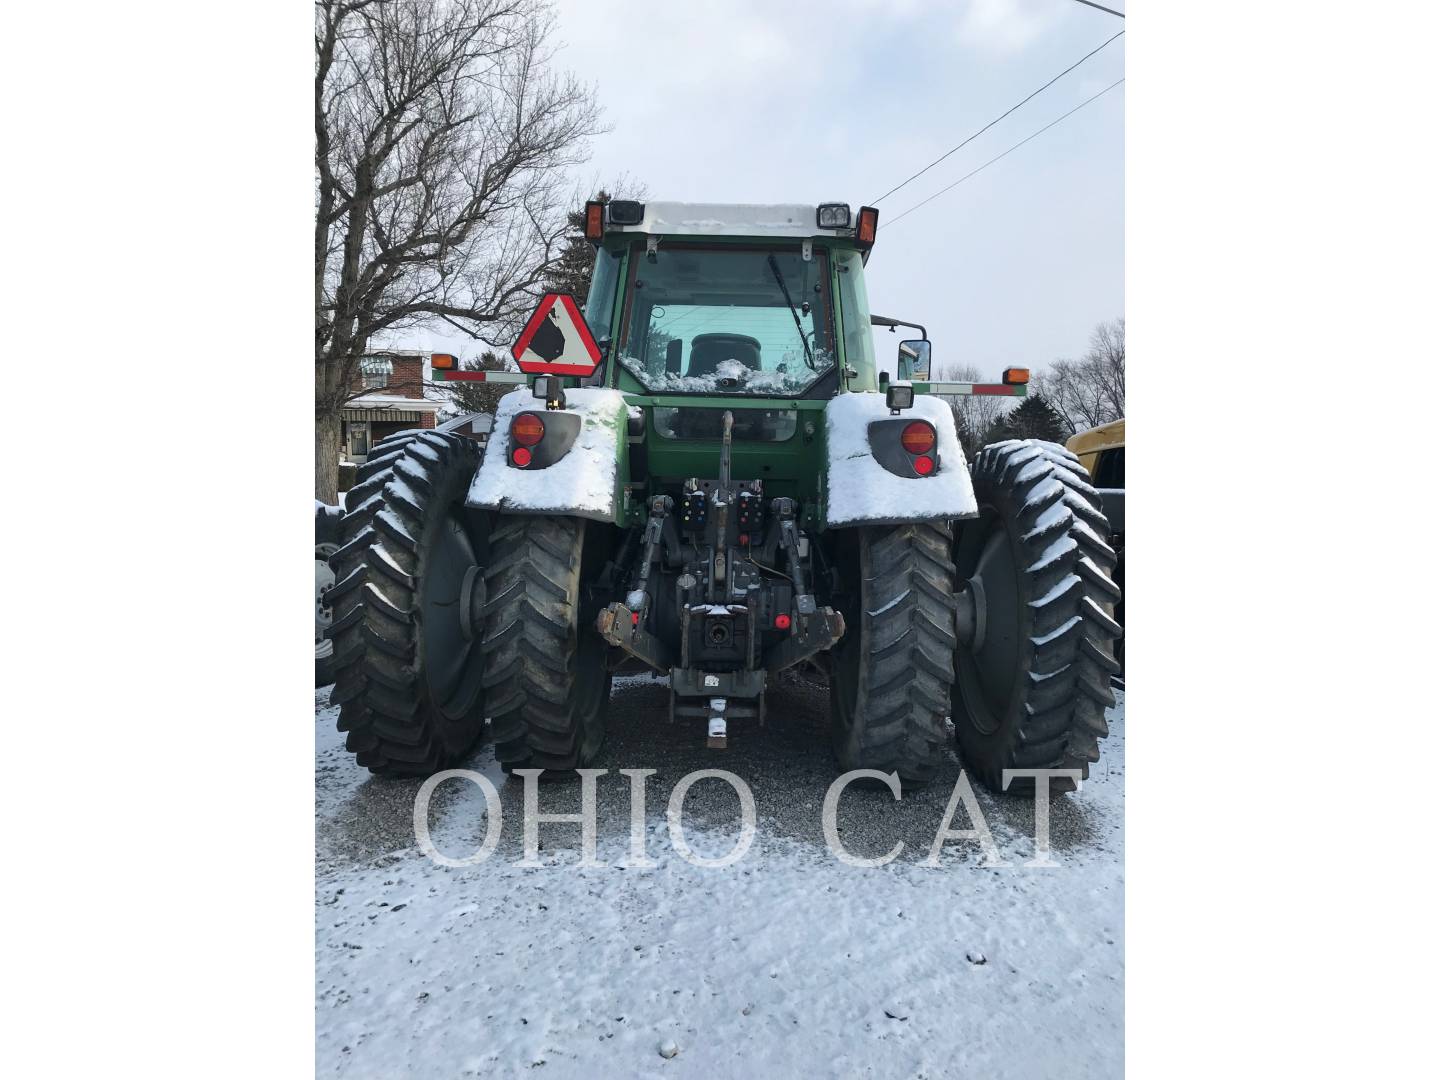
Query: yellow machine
(1104, 444)
(1102, 451)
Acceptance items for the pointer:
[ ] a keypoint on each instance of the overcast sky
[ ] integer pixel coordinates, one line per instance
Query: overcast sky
(779, 101)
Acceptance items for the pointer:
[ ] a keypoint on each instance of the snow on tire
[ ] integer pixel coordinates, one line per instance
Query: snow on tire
(891, 672)
(1032, 692)
(408, 677)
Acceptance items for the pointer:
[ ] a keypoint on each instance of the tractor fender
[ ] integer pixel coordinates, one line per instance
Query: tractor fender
(860, 490)
(582, 481)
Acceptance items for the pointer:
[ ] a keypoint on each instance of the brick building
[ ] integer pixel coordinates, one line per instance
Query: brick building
(394, 383)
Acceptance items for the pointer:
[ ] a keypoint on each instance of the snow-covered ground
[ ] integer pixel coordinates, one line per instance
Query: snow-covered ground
(787, 963)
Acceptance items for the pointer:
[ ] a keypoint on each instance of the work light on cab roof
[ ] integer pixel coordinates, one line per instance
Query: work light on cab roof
(679, 219)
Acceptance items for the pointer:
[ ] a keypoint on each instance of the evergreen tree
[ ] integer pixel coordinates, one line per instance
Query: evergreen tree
(571, 273)
(480, 396)
(972, 441)
(1034, 418)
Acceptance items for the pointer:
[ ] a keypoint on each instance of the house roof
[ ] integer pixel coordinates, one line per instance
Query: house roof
(392, 401)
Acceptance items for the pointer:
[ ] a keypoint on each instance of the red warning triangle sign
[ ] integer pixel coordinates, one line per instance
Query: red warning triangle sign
(556, 340)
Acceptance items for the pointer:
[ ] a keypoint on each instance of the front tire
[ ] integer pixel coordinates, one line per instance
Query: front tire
(1032, 692)
(408, 672)
(891, 672)
(546, 675)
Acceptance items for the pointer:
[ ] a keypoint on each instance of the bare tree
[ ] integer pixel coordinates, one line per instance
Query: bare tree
(441, 144)
(1089, 391)
(976, 415)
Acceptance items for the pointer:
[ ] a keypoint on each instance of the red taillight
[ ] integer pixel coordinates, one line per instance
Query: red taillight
(918, 438)
(924, 465)
(521, 457)
(594, 220)
(782, 622)
(527, 429)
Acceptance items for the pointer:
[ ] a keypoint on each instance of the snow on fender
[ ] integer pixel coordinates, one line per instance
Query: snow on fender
(582, 483)
(859, 490)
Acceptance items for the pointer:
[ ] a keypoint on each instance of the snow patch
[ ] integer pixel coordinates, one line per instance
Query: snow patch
(729, 219)
(782, 965)
(397, 488)
(1044, 492)
(1049, 518)
(1090, 534)
(580, 483)
(1064, 628)
(860, 489)
(1059, 547)
(881, 610)
(1058, 591)
(731, 377)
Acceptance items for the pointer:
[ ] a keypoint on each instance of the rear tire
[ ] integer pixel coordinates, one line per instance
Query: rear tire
(891, 672)
(408, 679)
(1034, 694)
(546, 676)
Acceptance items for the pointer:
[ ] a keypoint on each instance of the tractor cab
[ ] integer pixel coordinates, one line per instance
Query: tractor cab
(732, 300)
(755, 311)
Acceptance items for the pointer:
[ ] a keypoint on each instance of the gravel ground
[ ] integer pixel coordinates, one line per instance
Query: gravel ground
(785, 962)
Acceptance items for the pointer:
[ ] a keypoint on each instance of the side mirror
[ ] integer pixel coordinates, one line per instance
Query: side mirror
(914, 361)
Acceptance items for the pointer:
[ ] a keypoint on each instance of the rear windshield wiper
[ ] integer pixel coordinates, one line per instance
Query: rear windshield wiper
(780, 280)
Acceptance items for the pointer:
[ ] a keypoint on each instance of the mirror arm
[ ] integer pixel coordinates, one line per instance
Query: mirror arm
(885, 320)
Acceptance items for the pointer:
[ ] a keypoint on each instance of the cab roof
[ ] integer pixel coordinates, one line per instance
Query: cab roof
(730, 219)
(1098, 438)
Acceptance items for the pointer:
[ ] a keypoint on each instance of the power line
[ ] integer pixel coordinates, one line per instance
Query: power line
(1007, 112)
(997, 157)
(1101, 7)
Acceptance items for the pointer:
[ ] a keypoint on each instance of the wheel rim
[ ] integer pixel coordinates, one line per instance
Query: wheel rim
(324, 579)
(449, 658)
(989, 672)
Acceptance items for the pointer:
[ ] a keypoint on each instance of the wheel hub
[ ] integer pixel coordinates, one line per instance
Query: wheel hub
(472, 604)
(451, 599)
(970, 614)
(987, 623)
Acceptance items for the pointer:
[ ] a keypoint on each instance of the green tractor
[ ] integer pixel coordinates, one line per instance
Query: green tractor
(733, 489)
